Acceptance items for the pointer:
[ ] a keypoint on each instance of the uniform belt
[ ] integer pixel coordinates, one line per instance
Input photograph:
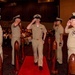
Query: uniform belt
(36, 39)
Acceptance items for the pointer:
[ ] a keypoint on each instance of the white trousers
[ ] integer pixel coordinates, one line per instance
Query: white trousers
(71, 51)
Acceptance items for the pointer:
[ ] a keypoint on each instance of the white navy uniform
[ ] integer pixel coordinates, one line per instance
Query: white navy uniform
(71, 41)
(71, 35)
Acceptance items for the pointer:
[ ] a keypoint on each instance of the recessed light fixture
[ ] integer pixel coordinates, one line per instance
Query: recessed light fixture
(43, 1)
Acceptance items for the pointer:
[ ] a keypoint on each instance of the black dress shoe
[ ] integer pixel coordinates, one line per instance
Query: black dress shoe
(36, 63)
(40, 68)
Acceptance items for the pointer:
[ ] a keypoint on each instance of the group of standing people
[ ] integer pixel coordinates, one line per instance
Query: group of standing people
(59, 31)
(38, 37)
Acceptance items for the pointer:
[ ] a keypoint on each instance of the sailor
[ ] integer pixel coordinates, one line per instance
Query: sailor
(38, 38)
(59, 31)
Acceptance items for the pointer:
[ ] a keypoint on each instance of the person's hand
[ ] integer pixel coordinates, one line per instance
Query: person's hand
(60, 43)
(0, 45)
(33, 20)
(20, 23)
(43, 41)
(68, 23)
(55, 23)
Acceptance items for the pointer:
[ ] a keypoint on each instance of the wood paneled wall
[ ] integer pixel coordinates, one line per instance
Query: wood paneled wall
(66, 9)
(48, 11)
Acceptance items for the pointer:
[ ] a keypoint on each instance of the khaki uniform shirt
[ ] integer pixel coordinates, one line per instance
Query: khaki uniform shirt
(71, 37)
(37, 32)
(58, 30)
(15, 31)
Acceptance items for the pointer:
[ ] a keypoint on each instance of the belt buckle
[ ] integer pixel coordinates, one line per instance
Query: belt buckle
(37, 39)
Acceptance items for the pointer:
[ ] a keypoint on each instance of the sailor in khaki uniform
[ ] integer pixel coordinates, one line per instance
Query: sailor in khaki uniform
(16, 34)
(59, 30)
(37, 41)
(1, 41)
(71, 35)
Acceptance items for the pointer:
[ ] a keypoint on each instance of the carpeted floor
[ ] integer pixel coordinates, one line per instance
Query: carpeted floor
(28, 67)
(8, 68)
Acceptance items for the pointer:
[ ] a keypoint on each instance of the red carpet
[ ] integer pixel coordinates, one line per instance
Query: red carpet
(28, 67)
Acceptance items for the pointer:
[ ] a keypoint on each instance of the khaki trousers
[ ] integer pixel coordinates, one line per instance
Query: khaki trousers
(13, 52)
(59, 52)
(38, 51)
(1, 53)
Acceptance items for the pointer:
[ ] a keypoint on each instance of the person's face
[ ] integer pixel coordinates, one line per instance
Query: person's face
(58, 22)
(18, 20)
(73, 22)
(37, 20)
(55, 23)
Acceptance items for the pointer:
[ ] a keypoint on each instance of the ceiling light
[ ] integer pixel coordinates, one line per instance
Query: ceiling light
(3, 0)
(42, 1)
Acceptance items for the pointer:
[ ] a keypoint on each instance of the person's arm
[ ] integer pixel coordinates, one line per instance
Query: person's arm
(17, 23)
(29, 26)
(45, 32)
(61, 40)
(67, 27)
(61, 37)
(44, 36)
(1, 36)
(54, 25)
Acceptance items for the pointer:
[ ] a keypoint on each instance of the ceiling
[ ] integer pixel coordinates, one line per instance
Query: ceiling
(4, 2)
(21, 0)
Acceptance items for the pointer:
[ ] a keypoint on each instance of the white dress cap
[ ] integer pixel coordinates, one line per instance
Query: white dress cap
(18, 16)
(37, 16)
